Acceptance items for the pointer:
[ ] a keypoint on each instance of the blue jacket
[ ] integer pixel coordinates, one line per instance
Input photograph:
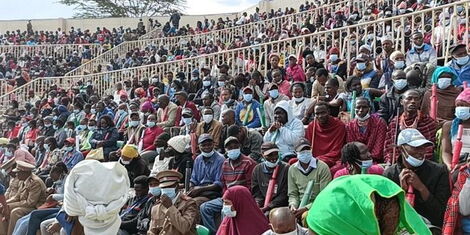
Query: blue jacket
(72, 158)
(253, 120)
(463, 72)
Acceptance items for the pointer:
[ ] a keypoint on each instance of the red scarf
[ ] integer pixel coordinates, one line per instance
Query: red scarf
(373, 137)
(329, 140)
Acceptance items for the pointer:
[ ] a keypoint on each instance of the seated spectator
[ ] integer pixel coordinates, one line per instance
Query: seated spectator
(101, 110)
(283, 221)
(179, 153)
(250, 140)
(358, 160)
(274, 62)
(307, 169)
(411, 117)
(246, 111)
(12, 151)
(389, 102)
(106, 136)
(134, 164)
(189, 123)
(327, 135)
(134, 130)
(149, 134)
(121, 116)
(143, 216)
(228, 102)
(167, 113)
(182, 98)
(134, 205)
(274, 98)
(47, 130)
(209, 102)
(161, 161)
(365, 71)
(60, 133)
(264, 173)
(53, 155)
(30, 195)
(282, 85)
(228, 119)
(420, 52)
(368, 129)
(285, 131)
(71, 155)
(397, 62)
(294, 71)
(429, 180)
(241, 216)
(209, 125)
(83, 190)
(460, 63)
(207, 171)
(180, 210)
(444, 78)
(299, 103)
(381, 202)
(336, 66)
(237, 169)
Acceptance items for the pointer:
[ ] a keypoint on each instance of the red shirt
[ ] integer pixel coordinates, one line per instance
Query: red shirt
(148, 137)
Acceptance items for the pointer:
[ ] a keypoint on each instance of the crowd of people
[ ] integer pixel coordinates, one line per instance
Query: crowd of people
(385, 135)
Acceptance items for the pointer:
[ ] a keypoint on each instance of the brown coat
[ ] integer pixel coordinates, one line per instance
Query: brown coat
(31, 194)
(179, 219)
(215, 130)
(445, 103)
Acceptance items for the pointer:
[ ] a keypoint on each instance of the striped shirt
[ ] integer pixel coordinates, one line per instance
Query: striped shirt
(238, 173)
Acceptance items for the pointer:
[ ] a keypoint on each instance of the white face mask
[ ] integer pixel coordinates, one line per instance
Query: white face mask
(227, 211)
(124, 162)
(208, 118)
(298, 100)
(443, 83)
(367, 116)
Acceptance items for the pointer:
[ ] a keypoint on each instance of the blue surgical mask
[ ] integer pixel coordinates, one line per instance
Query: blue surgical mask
(366, 164)
(274, 93)
(269, 164)
(399, 64)
(169, 192)
(227, 211)
(150, 124)
(418, 47)
(81, 127)
(47, 125)
(400, 84)
(248, 97)
(187, 121)
(68, 148)
(47, 147)
(221, 84)
(155, 191)
(93, 111)
(92, 128)
(55, 127)
(206, 83)
(134, 123)
(414, 162)
(462, 113)
(361, 66)
(304, 156)
(209, 154)
(8, 153)
(462, 60)
(233, 154)
(443, 83)
(333, 57)
(76, 110)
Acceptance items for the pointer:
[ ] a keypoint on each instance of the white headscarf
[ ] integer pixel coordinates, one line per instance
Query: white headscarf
(96, 192)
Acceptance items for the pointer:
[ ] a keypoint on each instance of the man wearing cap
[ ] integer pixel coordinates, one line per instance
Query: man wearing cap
(306, 169)
(209, 125)
(460, 63)
(365, 71)
(237, 169)
(285, 131)
(143, 217)
(134, 164)
(274, 97)
(295, 72)
(411, 117)
(30, 195)
(182, 101)
(12, 151)
(420, 51)
(263, 174)
(176, 213)
(71, 156)
(250, 140)
(246, 111)
(207, 172)
(429, 180)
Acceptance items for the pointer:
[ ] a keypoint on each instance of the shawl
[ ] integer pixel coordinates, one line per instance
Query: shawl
(452, 215)
(373, 137)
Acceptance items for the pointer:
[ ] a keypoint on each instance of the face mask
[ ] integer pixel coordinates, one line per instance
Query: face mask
(169, 192)
(159, 150)
(47, 125)
(187, 121)
(69, 148)
(353, 42)
(221, 84)
(155, 191)
(418, 47)
(209, 154)
(46, 147)
(92, 128)
(298, 100)
(150, 124)
(366, 164)
(462, 113)
(154, 81)
(414, 162)
(305, 156)
(8, 153)
(81, 127)
(269, 164)
(55, 127)
(443, 83)
(274, 93)
(361, 66)
(124, 162)
(206, 83)
(194, 78)
(399, 64)
(333, 57)
(76, 110)
(248, 97)
(134, 123)
(402, 11)
(462, 60)
(207, 118)
(93, 111)
(233, 154)
(227, 211)
(367, 116)
(400, 84)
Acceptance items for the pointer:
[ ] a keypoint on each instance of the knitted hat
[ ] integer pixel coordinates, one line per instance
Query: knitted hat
(129, 151)
(179, 143)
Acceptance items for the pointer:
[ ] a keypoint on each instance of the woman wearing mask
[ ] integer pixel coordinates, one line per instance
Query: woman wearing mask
(106, 136)
(299, 103)
(357, 159)
(397, 62)
(149, 134)
(241, 213)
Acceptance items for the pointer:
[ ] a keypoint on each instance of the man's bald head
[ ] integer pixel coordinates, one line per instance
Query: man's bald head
(228, 117)
(398, 74)
(163, 101)
(282, 220)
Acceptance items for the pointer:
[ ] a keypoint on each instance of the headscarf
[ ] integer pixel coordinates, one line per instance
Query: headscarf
(439, 71)
(356, 212)
(96, 192)
(464, 95)
(147, 106)
(249, 218)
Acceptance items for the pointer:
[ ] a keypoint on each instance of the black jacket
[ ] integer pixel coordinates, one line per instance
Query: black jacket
(137, 167)
(388, 105)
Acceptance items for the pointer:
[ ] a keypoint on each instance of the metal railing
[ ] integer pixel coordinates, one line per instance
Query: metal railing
(224, 35)
(256, 57)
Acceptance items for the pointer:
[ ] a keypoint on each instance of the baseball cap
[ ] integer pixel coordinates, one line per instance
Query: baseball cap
(412, 137)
